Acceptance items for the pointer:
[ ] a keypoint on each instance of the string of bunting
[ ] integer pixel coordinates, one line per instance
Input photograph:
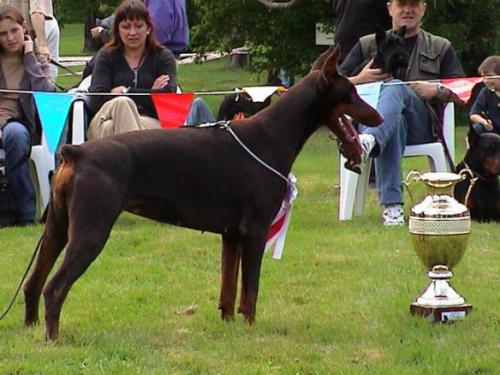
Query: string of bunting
(172, 109)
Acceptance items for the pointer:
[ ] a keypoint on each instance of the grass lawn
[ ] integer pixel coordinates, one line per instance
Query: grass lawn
(337, 303)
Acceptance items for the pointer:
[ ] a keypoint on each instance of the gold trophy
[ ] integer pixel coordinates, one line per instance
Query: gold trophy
(439, 228)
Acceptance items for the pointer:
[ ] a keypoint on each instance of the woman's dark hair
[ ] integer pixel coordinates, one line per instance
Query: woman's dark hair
(132, 10)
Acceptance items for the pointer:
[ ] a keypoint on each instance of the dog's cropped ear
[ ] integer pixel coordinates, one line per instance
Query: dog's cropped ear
(401, 31)
(320, 61)
(329, 69)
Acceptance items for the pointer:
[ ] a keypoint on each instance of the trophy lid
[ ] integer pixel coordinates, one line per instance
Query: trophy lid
(440, 177)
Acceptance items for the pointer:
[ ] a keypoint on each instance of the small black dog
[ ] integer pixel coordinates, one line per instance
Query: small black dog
(390, 56)
(483, 159)
(239, 105)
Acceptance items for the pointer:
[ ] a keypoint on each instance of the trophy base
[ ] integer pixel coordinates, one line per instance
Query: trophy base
(441, 314)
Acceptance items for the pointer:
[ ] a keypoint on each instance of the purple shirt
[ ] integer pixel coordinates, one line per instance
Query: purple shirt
(170, 23)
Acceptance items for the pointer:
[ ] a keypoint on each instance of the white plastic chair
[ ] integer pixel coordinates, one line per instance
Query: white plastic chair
(353, 187)
(43, 161)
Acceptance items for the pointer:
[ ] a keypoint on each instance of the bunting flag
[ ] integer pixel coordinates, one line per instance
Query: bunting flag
(370, 92)
(276, 234)
(172, 109)
(260, 94)
(53, 109)
(462, 87)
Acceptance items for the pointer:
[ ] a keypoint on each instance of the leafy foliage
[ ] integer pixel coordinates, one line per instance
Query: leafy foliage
(276, 38)
(472, 26)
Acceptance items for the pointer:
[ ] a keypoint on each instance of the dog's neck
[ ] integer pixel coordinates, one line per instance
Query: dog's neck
(475, 173)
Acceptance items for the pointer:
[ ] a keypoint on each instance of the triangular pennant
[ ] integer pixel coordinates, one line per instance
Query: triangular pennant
(462, 87)
(53, 110)
(172, 109)
(370, 92)
(260, 94)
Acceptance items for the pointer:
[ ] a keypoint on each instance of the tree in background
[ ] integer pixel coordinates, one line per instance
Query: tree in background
(71, 11)
(473, 26)
(277, 38)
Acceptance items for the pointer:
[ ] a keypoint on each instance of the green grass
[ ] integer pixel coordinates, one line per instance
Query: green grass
(337, 303)
(71, 42)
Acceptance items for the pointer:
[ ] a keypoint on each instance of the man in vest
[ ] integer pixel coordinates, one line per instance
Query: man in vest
(407, 119)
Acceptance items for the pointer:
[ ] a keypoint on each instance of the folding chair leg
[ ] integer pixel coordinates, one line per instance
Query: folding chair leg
(362, 189)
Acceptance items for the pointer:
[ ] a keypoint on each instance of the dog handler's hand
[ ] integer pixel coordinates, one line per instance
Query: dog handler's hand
(369, 74)
(488, 125)
(161, 82)
(425, 90)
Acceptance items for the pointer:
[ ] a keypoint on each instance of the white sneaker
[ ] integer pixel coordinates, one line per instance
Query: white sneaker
(393, 215)
(367, 142)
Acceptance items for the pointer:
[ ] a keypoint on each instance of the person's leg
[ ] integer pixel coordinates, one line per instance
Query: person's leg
(199, 113)
(118, 115)
(52, 34)
(401, 109)
(16, 142)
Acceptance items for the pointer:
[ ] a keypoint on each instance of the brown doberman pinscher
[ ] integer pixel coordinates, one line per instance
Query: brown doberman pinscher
(158, 173)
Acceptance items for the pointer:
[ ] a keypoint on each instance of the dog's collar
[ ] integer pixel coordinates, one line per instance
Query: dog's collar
(477, 175)
(226, 125)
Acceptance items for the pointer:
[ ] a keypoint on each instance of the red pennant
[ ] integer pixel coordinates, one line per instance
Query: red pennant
(172, 109)
(461, 87)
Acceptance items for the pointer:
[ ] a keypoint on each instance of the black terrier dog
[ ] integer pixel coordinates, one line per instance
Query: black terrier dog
(391, 55)
(483, 159)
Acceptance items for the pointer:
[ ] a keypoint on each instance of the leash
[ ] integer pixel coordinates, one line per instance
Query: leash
(226, 126)
(23, 278)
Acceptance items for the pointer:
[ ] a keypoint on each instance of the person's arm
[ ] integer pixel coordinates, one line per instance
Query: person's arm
(165, 65)
(102, 76)
(38, 22)
(37, 71)
(478, 112)
(450, 68)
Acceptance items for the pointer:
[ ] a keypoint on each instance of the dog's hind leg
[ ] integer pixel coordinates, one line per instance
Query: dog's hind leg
(231, 254)
(251, 261)
(88, 232)
(54, 239)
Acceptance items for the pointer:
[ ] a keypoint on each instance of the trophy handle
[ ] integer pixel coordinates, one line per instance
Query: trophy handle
(463, 173)
(412, 176)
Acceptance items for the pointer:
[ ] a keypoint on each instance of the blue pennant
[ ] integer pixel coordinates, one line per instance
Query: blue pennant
(370, 92)
(53, 110)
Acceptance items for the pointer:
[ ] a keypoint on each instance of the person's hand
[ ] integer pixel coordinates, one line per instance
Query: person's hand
(43, 50)
(161, 82)
(425, 90)
(487, 125)
(96, 31)
(369, 74)
(28, 44)
(118, 89)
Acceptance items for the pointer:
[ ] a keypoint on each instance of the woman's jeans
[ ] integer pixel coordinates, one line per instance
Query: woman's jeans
(16, 143)
(406, 121)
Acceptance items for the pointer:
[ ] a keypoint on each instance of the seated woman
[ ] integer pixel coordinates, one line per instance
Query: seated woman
(19, 70)
(132, 62)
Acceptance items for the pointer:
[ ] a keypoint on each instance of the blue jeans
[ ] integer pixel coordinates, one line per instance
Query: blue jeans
(199, 113)
(406, 121)
(16, 143)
